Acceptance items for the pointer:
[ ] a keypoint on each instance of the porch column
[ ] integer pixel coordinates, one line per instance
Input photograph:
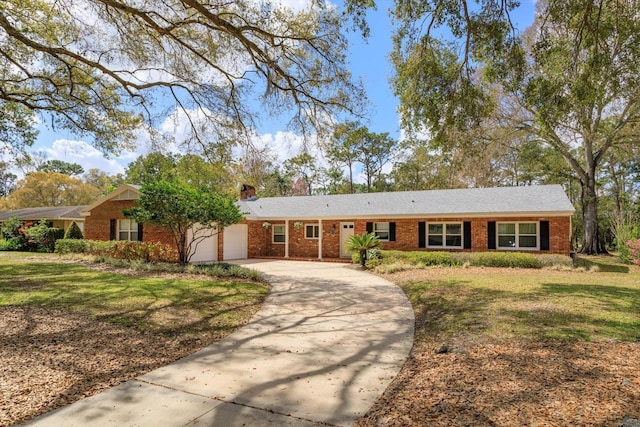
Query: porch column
(319, 239)
(286, 238)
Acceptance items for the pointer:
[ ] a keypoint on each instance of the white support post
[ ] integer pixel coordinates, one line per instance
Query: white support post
(286, 238)
(319, 239)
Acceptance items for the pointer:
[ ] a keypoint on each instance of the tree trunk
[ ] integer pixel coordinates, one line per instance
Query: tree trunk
(591, 243)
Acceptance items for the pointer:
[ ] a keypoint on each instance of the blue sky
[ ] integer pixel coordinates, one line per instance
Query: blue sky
(369, 61)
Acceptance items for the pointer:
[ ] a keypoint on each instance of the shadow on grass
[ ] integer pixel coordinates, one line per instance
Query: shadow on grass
(564, 311)
(604, 264)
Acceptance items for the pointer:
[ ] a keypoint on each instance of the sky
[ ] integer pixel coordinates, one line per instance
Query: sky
(369, 62)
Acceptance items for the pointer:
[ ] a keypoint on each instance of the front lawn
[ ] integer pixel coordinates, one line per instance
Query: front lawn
(503, 347)
(68, 330)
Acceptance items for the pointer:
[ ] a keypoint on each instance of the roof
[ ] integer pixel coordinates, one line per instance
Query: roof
(124, 192)
(36, 214)
(506, 201)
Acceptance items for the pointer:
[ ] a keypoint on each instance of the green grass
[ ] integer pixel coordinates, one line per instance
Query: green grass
(601, 304)
(167, 304)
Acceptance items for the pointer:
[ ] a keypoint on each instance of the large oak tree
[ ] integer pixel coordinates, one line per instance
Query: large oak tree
(103, 67)
(572, 82)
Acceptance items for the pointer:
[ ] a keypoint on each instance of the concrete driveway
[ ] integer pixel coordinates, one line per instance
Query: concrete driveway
(327, 342)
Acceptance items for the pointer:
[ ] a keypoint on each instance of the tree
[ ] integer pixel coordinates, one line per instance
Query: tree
(48, 189)
(73, 232)
(98, 66)
(362, 244)
(155, 166)
(184, 210)
(101, 180)
(60, 166)
(342, 147)
(7, 179)
(572, 82)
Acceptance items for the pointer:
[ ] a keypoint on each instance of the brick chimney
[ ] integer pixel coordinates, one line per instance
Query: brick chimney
(248, 192)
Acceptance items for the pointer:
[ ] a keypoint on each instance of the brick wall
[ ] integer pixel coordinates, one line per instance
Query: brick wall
(260, 238)
(97, 225)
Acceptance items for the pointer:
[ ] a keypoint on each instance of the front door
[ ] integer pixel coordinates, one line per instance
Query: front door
(346, 231)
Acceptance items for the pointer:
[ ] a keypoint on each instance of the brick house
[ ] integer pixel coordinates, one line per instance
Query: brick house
(533, 219)
(58, 216)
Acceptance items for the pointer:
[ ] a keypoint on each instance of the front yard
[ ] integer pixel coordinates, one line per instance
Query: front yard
(68, 330)
(506, 347)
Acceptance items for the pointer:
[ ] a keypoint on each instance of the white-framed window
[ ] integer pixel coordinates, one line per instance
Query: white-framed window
(444, 235)
(127, 230)
(279, 233)
(311, 231)
(517, 235)
(381, 230)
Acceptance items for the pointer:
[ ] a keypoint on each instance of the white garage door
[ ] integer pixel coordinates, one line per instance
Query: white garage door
(235, 242)
(205, 249)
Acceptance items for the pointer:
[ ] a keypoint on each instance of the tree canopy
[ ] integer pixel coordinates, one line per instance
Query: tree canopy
(185, 210)
(104, 67)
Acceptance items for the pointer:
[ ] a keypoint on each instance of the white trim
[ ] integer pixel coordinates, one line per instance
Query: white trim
(462, 216)
(319, 239)
(111, 196)
(444, 234)
(311, 225)
(388, 230)
(273, 234)
(286, 238)
(517, 246)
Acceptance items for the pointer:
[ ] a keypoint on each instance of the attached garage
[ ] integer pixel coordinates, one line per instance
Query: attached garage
(205, 249)
(235, 242)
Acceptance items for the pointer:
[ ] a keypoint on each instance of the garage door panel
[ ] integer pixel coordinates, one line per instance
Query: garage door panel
(205, 249)
(235, 242)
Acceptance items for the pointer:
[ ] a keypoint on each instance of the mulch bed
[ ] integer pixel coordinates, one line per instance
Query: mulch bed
(524, 383)
(50, 358)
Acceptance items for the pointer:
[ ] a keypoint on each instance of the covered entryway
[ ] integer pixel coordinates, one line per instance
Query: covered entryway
(235, 242)
(346, 231)
(205, 248)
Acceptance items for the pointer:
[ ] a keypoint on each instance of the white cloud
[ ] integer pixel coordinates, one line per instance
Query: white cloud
(82, 153)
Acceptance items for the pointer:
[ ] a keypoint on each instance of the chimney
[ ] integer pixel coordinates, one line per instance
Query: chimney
(248, 192)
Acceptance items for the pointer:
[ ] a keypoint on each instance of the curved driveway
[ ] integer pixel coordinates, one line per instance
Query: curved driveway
(325, 345)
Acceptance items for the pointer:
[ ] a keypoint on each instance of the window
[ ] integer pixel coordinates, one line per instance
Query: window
(517, 235)
(381, 230)
(311, 231)
(127, 230)
(444, 235)
(279, 233)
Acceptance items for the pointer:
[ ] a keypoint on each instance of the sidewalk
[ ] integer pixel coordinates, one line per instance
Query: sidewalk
(325, 345)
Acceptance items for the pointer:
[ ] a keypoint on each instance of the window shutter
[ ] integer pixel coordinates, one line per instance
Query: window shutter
(369, 227)
(392, 231)
(112, 229)
(139, 232)
(544, 235)
(491, 234)
(422, 234)
(466, 231)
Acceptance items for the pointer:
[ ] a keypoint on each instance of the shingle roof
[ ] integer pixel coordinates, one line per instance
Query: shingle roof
(540, 200)
(36, 214)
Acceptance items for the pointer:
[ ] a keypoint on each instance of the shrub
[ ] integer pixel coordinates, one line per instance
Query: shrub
(12, 244)
(634, 250)
(505, 259)
(73, 232)
(70, 246)
(123, 250)
(40, 237)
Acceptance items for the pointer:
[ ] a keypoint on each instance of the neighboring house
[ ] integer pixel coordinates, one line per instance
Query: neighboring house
(60, 217)
(532, 219)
